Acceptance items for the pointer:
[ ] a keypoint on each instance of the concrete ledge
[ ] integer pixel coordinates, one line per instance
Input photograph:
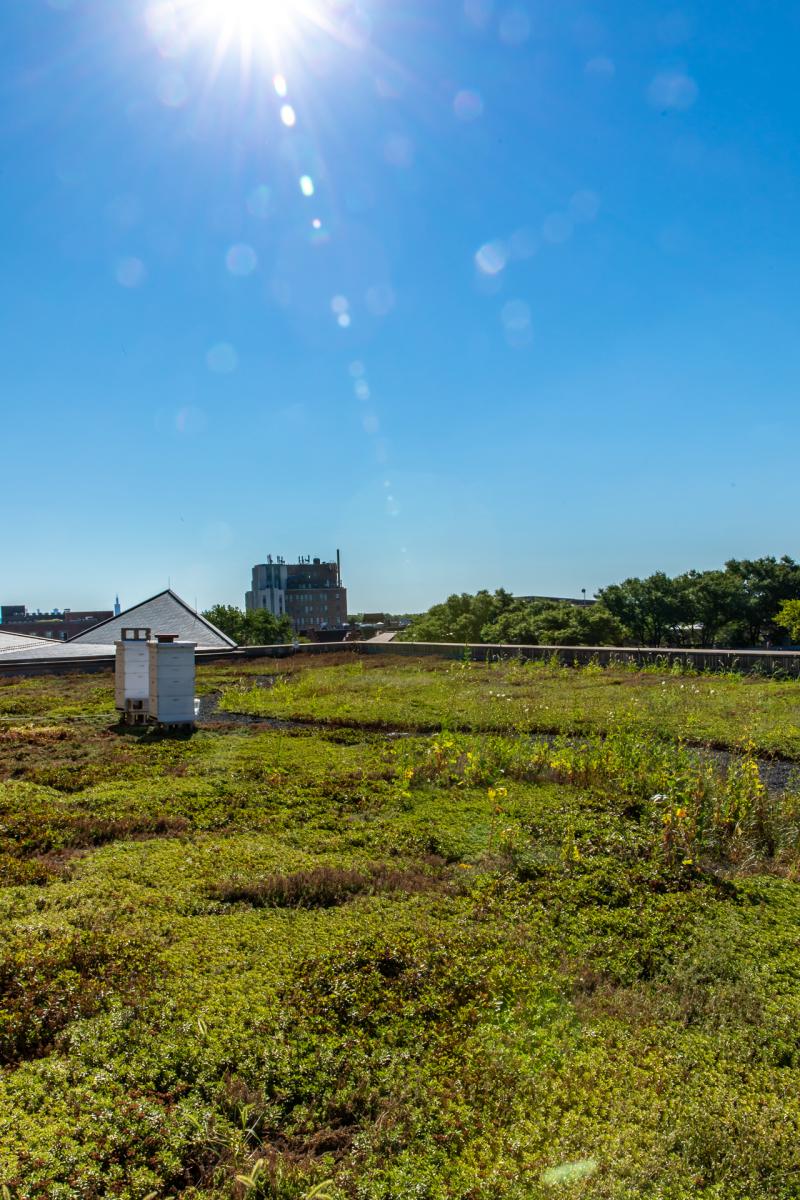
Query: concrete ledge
(747, 662)
(58, 665)
(783, 663)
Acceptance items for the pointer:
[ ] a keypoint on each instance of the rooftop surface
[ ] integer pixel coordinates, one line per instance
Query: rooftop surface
(473, 956)
(23, 642)
(164, 613)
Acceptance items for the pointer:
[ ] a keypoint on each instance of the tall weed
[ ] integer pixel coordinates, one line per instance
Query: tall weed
(695, 807)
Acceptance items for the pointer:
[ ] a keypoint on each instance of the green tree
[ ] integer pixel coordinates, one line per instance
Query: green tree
(461, 618)
(575, 625)
(229, 619)
(555, 623)
(731, 607)
(499, 618)
(517, 625)
(788, 617)
(655, 610)
(715, 605)
(264, 629)
(259, 628)
(766, 583)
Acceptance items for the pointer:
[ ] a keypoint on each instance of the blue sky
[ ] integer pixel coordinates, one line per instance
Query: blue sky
(484, 294)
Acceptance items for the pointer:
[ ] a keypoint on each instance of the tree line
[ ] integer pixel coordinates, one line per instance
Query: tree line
(749, 602)
(258, 628)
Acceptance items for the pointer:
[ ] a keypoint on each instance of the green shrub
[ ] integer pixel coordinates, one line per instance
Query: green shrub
(52, 976)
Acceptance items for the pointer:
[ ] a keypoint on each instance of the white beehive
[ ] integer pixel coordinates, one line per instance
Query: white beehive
(171, 678)
(131, 675)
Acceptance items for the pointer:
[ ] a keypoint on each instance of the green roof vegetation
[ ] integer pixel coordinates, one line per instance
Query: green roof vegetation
(471, 962)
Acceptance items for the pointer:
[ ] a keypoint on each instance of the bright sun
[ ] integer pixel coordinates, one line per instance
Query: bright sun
(254, 23)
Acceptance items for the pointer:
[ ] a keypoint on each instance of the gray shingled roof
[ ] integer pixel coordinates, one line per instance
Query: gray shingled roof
(164, 613)
(37, 649)
(10, 642)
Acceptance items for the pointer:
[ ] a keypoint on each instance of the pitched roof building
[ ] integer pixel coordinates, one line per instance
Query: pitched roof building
(11, 642)
(164, 613)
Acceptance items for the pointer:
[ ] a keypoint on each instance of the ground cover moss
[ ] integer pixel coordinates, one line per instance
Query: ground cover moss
(73, 695)
(457, 966)
(724, 710)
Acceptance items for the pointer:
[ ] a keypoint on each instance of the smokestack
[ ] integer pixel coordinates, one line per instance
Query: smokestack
(338, 569)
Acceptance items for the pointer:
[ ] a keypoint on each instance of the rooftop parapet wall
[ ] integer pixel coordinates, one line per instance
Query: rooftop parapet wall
(747, 662)
(756, 662)
(782, 663)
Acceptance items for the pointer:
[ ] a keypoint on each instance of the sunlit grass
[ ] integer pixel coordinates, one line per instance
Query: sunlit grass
(724, 710)
(467, 964)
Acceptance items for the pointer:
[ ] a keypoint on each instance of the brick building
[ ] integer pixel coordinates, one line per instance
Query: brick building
(60, 626)
(309, 592)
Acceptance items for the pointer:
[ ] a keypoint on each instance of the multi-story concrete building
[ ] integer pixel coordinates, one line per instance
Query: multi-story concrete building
(268, 587)
(309, 592)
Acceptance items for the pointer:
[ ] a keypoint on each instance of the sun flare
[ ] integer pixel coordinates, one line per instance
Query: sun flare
(255, 24)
